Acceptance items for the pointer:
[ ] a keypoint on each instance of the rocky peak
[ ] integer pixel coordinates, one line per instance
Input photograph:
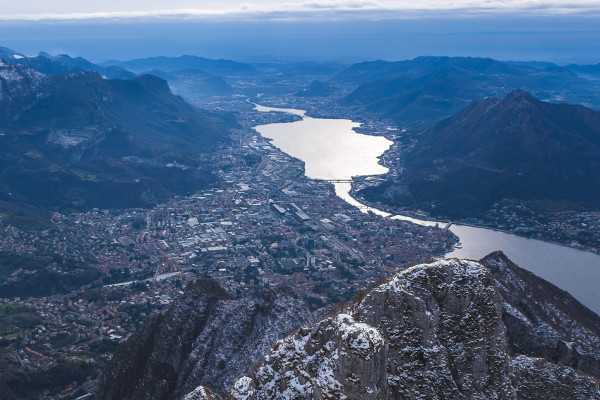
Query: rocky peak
(518, 95)
(205, 338)
(543, 320)
(432, 331)
(17, 78)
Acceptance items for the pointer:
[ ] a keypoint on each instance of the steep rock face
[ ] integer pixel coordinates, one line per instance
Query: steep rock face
(536, 378)
(543, 320)
(433, 331)
(344, 354)
(205, 338)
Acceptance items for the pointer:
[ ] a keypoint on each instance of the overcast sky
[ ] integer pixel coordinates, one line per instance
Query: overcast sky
(319, 30)
(110, 9)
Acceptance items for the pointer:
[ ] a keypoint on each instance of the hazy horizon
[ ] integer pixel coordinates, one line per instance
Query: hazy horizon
(335, 32)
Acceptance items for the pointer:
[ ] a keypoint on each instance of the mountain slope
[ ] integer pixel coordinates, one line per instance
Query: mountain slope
(171, 64)
(424, 90)
(193, 82)
(205, 338)
(517, 147)
(544, 321)
(62, 64)
(81, 141)
(432, 331)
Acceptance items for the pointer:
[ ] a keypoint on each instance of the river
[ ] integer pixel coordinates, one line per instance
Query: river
(332, 149)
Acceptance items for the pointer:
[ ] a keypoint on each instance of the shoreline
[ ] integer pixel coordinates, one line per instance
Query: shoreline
(409, 214)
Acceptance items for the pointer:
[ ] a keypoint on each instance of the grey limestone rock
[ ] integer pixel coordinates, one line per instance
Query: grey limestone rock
(205, 338)
(433, 331)
(536, 378)
(543, 320)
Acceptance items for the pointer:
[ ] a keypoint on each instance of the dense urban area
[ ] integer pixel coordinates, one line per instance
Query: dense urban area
(74, 291)
(85, 284)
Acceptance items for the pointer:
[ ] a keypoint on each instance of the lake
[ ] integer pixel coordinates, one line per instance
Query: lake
(331, 149)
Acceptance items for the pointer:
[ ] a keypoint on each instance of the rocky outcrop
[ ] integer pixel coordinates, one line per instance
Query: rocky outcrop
(202, 393)
(536, 378)
(205, 338)
(433, 331)
(544, 321)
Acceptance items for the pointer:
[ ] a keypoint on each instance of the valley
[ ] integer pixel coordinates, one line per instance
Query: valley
(102, 229)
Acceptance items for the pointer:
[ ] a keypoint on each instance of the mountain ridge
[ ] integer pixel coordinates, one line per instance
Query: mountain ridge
(448, 329)
(516, 147)
(422, 91)
(431, 331)
(104, 143)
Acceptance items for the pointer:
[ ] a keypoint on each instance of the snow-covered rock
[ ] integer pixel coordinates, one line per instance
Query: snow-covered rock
(18, 80)
(432, 331)
(205, 338)
(201, 393)
(543, 320)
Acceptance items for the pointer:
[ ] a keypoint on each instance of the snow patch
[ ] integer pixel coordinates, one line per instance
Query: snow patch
(243, 389)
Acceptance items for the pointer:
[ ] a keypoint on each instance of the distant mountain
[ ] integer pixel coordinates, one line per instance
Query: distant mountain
(81, 141)
(316, 89)
(307, 68)
(593, 70)
(193, 82)
(427, 89)
(170, 64)
(111, 72)
(517, 147)
(62, 64)
(8, 54)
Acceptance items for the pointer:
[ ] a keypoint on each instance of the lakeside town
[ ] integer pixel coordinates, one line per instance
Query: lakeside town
(263, 225)
(92, 279)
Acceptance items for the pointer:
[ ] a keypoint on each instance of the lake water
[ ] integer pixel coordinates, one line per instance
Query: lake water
(331, 149)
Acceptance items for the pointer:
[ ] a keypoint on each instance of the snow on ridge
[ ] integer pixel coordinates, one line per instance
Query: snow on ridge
(243, 389)
(309, 362)
(359, 337)
(16, 73)
(405, 279)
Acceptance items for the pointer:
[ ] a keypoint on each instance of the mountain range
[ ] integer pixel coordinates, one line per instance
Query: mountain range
(62, 64)
(77, 140)
(186, 62)
(424, 90)
(516, 147)
(451, 329)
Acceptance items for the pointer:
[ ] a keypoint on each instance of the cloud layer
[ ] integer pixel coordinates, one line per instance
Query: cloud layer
(312, 9)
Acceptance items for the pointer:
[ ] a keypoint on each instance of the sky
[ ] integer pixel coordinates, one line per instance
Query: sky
(320, 30)
(39, 10)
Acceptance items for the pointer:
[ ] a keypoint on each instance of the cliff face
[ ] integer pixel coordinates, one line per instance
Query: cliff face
(451, 329)
(205, 338)
(433, 331)
(544, 321)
